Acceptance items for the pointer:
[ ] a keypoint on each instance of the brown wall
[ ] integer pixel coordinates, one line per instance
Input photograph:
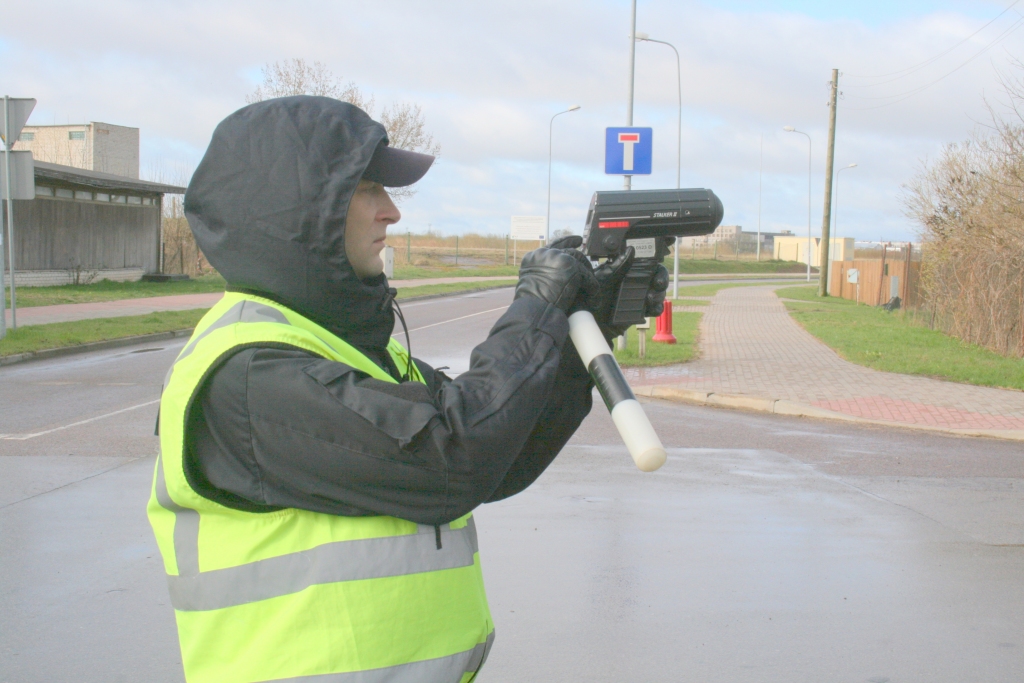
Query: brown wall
(57, 234)
(874, 284)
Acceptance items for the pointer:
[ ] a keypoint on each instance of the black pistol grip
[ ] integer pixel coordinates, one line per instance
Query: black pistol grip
(629, 307)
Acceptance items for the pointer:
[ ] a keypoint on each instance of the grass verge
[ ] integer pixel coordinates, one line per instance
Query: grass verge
(711, 289)
(452, 287)
(894, 342)
(105, 290)
(685, 326)
(419, 272)
(712, 267)
(59, 335)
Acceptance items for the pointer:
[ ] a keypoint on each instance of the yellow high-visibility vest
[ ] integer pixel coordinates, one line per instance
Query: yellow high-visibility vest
(293, 595)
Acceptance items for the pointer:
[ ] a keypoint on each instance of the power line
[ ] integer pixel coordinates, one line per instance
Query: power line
(911, 93)
(911, 69)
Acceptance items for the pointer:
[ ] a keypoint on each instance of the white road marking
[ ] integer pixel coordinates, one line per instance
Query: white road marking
(444, 322)
(25, 437)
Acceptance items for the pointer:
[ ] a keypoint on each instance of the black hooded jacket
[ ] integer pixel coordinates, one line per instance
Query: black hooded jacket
(274, 428)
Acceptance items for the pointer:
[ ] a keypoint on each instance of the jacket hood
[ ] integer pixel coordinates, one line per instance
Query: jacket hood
(267, 206)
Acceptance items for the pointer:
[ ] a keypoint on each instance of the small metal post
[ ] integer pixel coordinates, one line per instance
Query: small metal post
(456, 250)
(506, 250)
(408, 248)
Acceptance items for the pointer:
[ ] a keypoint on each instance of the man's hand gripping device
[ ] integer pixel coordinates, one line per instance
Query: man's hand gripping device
(616, 221)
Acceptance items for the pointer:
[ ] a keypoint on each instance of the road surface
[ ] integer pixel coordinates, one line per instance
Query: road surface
(767, 549)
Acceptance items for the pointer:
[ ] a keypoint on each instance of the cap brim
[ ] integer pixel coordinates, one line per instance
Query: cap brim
(397, 167)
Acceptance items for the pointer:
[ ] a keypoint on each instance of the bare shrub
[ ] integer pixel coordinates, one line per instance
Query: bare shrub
(181, 253)
(969, 204)
(403, 121)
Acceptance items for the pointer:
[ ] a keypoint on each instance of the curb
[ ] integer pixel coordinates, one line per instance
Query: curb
(795, 409)
(162, 336)
(92, 346)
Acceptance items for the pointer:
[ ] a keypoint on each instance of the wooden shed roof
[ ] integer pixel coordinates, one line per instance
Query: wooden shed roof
(103, 181)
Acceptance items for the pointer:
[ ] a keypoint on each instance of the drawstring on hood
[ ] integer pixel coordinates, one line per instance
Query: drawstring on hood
(267, 206)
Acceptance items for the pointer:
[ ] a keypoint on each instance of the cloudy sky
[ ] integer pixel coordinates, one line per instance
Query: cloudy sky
(489, 75)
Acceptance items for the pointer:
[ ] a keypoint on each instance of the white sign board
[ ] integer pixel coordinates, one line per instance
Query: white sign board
(853, 276)
(644, 248)
(645, 325)
(23, 175)
(529, 227)
(18, 109)
(389, 261)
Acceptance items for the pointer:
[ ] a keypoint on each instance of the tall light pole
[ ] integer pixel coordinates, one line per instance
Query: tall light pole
(551, 124)
(835, 211)
(760, 173)
(679, 150)
(627, 182)
(791, 129)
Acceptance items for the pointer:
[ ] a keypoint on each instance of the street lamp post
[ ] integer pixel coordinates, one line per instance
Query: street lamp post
(679, 150)
(551, 125)
(835, 211)
(791, 129)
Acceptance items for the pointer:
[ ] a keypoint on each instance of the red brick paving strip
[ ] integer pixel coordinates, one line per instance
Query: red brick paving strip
(751, 346)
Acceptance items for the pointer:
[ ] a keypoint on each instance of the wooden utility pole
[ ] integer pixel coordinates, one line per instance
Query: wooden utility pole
(826, 219)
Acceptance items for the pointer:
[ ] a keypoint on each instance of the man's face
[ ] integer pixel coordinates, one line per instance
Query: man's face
(370, 213)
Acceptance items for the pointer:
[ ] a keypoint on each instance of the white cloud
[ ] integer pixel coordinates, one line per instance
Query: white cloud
(490, 75)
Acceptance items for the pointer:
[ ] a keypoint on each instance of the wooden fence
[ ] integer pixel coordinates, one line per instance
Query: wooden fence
(876, 279)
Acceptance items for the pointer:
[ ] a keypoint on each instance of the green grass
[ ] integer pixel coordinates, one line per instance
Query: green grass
(451, 287)
(685, 327)
(419, 272)
(690, 302)
(710, 289)
(105, 290)
(808, 293)
(894, 342)
(711, 267)
(58, 335)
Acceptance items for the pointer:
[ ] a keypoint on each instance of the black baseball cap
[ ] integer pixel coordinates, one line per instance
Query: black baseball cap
(393, 167)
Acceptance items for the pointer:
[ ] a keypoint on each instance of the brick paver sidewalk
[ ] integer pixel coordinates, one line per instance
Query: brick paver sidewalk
(39, 315)
(751, 346)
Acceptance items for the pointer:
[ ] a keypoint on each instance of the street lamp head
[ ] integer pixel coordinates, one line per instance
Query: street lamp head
(641, 35)
(852, 166)
(789, 129)
(576, 106)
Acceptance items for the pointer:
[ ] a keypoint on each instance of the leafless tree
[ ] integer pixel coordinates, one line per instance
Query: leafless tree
(403, 121)
(969, 204)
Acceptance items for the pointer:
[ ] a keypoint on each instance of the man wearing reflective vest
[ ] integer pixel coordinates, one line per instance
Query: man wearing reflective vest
(312, 499)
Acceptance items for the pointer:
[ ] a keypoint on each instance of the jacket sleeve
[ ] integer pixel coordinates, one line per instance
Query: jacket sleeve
(274, 428)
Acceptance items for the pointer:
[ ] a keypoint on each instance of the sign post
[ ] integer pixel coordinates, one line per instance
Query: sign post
(16, 113)
(527, 228)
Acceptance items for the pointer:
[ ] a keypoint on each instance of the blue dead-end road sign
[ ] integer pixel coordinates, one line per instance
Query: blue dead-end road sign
(627, 151)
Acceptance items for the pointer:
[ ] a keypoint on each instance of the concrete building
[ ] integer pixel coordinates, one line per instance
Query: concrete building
(93, 146)
(723, 233)
(795, 249)
(85, 225)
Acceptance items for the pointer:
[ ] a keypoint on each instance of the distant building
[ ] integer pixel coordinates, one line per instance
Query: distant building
(723, 233)
(93, 146)
(795, 249)
(86, 225)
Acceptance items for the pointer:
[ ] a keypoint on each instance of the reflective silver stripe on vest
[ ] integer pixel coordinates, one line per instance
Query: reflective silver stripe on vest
(369, 558)
(186, 527)
(242, 312)
(450, 668)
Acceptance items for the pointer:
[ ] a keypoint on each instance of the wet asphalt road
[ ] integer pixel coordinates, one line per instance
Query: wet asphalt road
(767, 549)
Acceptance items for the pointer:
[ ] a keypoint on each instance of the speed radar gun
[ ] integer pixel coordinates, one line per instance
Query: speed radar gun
(615, 222)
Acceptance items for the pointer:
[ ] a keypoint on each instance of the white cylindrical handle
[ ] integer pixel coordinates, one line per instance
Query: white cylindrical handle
(628, 415)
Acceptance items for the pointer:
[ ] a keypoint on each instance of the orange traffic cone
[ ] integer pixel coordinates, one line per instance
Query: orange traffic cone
(663, 327)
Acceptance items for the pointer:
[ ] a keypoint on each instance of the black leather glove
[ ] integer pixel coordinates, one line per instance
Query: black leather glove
(609, 276)
(556, 276)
